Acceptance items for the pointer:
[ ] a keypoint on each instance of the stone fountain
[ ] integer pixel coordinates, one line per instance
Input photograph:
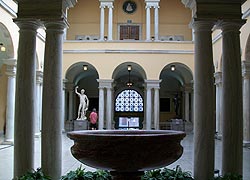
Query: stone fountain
(127, 153)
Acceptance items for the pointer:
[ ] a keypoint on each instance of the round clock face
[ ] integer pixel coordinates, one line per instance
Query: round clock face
(129, 7)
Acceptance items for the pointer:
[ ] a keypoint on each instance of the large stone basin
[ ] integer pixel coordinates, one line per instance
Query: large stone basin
(127, 153)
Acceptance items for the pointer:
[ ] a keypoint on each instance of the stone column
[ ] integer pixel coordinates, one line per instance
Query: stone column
(110, 22)
(10, 108)
(25, 95)
(246, 102)
(70, 89)
(101, 109)
(148, 33)
(52, 100)
(156, 108)
(232, 119)
(109, 108)
(149, 86)
(187, 102)
(102, 22)
(156, 7)
(38, 102)
(204, 121)
(218, 84)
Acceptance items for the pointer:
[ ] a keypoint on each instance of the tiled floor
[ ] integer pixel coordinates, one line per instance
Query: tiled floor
(69, 163)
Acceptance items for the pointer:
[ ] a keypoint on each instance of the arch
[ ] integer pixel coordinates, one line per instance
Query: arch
(6, 40)
(182, 73)
(75, 72)
(122, 70)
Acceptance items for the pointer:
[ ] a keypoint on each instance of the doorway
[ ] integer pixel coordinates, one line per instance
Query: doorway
(129, 32)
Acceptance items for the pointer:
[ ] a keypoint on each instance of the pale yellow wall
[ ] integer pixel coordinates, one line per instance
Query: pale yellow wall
(245, 29)
(175, 19)
(106, 63)
(217, 50)
(84, 18)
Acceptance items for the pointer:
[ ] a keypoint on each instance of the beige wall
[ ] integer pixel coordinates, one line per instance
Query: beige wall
(105, 63)
(174, 18)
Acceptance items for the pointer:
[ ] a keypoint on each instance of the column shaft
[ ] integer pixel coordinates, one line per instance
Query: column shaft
(148, 23)
(110, 23)
(148, 109)
(102, 23)
(38, 103)
(232, 135)
(24, 99)
(101, 109)
(109, 109)
(218, 83)
(187, 106)
(10, 108)
(204, 121)
(52, 101)
(156, 109)
(246, 102)
(156, 23)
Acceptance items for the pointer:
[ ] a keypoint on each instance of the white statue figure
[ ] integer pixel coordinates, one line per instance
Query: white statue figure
(83, 106)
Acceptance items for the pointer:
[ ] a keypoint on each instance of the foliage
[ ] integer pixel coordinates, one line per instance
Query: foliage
(229, 177)
(167, 174)
(81, 174)
(34, 175)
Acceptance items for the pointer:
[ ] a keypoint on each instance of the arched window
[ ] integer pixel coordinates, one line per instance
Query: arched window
(129, 101)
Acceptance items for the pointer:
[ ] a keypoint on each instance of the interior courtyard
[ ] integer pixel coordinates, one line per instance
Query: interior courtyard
(144, 64)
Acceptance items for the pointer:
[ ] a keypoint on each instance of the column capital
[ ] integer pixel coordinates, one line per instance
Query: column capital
(149, 84)
(105, 83)
(230, 25)
(70, 86)
(246, 69)
(28, 23)
(188, 87)
(39, 77)
(11, 66)
(56, 24)
(218, 78)
(106, 3)
(202, 24)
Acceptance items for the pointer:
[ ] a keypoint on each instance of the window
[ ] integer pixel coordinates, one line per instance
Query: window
(129, 101)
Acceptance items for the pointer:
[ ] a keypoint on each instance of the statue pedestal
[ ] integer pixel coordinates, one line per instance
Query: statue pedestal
(80, 125)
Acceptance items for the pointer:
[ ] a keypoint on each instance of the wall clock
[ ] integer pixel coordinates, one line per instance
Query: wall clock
(129, 7)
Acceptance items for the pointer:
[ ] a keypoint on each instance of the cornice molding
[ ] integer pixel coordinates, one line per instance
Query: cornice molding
(112, 51)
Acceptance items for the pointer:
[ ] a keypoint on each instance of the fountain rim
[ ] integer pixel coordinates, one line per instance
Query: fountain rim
(129, 133)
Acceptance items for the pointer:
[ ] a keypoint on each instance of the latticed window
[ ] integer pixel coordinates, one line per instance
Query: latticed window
(129, 101)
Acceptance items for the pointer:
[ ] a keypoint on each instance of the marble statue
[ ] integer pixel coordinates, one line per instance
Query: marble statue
(83, 105)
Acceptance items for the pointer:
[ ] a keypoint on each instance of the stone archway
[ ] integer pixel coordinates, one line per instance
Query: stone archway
(86, 79)
(175, 94)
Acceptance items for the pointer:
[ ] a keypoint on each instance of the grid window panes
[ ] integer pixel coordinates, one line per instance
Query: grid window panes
(129, 101)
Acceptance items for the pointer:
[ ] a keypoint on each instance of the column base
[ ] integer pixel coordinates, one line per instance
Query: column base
(246, 143)
(218, 136)
(8, 142)
(38, 135)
